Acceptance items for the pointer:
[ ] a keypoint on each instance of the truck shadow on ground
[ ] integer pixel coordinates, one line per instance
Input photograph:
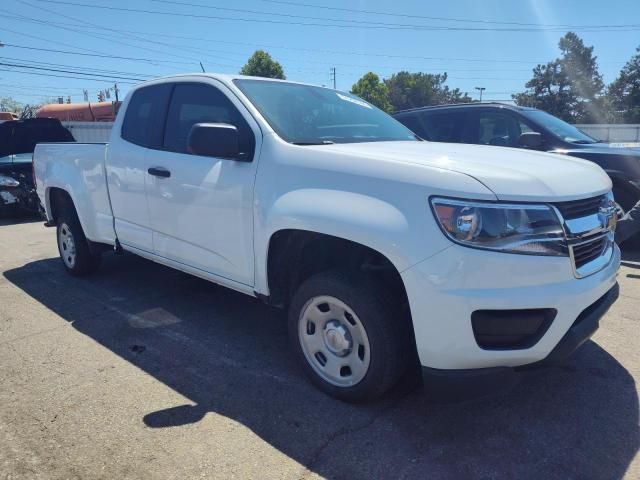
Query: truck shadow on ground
(229, 354)
(15, 219)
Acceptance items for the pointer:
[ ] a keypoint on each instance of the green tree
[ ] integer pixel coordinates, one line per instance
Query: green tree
(569, 87)
(8, 104)
(260, 64)
(371, 89)
(623, 94)
(409, 90)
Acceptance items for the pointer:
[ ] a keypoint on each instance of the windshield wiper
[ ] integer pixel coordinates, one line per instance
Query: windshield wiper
(323, 142)
(583, 142)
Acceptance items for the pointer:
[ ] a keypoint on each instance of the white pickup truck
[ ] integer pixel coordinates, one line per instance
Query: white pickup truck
(387, 250)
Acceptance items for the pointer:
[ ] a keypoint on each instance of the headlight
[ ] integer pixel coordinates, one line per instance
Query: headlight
(8, 181)
(526, 229)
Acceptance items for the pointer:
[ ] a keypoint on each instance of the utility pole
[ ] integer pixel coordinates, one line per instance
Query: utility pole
(481, 89)
(116, 90)
(86, 95)
(333, 76)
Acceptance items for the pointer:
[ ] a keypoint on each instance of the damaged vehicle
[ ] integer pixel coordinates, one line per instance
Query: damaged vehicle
(18, 139)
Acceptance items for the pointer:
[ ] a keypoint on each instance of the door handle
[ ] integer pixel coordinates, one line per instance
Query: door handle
(159, 172)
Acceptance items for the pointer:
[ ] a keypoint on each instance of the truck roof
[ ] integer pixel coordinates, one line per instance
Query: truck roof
(466, 105)
(224, 77)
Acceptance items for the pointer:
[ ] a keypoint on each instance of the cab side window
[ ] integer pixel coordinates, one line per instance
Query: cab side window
(193, 103)
(499, 129)
(143, 121)
(445, 126)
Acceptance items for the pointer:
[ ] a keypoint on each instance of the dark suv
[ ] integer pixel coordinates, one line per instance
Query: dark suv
(521, 127)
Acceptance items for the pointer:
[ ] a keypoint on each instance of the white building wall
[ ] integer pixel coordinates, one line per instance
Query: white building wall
(614, 133)
(90, 132)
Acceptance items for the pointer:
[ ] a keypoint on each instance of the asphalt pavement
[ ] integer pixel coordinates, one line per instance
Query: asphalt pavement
(140, 371)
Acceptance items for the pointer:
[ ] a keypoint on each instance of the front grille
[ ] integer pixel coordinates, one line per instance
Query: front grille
(579, 208)
(589, 251)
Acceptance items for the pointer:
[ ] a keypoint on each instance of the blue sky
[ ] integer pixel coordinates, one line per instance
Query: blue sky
(456, 39)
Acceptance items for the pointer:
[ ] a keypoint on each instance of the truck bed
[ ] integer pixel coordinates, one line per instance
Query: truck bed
(79, 169)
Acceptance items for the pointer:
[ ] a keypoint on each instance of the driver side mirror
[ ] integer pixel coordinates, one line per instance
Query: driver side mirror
(530, 140)
(214, 140)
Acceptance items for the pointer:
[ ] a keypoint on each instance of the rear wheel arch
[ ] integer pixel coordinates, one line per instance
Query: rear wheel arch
(294, 256)
(79, 256)
(58, 199)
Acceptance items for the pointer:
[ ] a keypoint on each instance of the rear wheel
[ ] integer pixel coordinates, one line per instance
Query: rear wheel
(352, 340)
(73, 246)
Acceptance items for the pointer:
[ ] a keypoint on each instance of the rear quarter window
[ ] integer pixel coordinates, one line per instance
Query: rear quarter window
(144, 119)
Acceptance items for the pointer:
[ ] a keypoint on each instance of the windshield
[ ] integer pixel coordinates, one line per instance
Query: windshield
(19, 158)
(559, 128)
(307, 115)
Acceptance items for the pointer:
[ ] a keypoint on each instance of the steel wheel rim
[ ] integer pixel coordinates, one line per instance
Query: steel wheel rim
(334, 341)
(67, 245)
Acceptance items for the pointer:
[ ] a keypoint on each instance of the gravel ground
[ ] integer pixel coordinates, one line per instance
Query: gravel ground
(144, 372)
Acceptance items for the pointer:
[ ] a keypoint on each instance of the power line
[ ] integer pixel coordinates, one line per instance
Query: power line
(110, 38)
(115, 57)
(48, 40)
(425, 17)
(110, 77)
(283, 47)
(27, 87)
(81, 68)
(60, 76)
(372, 25)
(317, 70)
(101, 37)
(116, 74)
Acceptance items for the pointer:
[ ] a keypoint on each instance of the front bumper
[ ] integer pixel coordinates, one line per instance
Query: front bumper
(582, 329)
(447, 288)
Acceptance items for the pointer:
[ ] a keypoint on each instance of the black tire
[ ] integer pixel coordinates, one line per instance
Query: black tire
(387, 327)
(68, 225)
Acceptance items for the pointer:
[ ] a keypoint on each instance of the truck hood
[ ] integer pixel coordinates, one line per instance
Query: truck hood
(511, 174)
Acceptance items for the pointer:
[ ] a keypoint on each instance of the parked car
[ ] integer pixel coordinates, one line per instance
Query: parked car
(522, 127)
(17, 142)
(388, 251)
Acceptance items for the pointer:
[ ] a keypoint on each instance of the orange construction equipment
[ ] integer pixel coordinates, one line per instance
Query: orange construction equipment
(80, 112)
(8, 116)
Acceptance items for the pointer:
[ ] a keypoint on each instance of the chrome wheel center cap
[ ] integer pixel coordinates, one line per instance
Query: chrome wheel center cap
(337, 338)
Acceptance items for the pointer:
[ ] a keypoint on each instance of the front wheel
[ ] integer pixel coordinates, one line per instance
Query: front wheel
(351, 339)
(73, 245)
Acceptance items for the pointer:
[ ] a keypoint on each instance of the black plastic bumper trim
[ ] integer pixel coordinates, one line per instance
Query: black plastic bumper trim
(582, 329)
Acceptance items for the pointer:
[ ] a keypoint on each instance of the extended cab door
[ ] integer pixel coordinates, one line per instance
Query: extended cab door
(201, 208)
(126, 166)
